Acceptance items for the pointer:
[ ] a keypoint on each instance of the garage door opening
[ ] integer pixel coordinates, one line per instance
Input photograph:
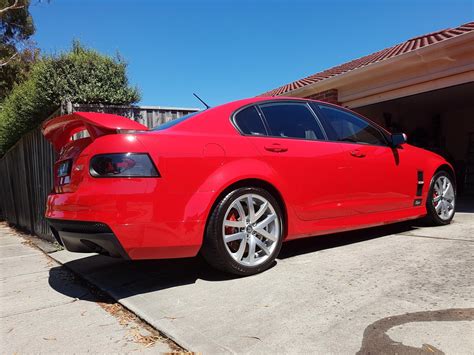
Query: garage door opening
(441, 121)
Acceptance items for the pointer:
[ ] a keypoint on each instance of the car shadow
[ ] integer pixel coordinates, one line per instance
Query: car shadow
(122, 279)
(313, 244)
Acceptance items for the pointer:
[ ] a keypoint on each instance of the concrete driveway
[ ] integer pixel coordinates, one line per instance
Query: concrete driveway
(394, 289)
(38, 319)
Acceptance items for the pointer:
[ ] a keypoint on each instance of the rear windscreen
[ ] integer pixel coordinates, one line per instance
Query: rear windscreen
(174, 122)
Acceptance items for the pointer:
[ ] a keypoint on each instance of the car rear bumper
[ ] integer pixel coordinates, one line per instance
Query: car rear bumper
(87, 237)
(136, 226)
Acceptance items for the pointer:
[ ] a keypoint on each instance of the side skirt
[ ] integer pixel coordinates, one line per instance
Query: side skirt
(343, 224)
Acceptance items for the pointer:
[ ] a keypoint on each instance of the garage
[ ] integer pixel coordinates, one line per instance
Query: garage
(423, 87)
(439, 120)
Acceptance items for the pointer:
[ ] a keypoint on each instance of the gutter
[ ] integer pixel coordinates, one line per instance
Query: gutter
(351, 76)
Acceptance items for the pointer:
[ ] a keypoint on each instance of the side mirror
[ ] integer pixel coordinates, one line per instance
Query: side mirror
(398, 139)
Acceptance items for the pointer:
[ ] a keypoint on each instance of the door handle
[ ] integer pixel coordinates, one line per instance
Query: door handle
(357, 153)
(276, 147)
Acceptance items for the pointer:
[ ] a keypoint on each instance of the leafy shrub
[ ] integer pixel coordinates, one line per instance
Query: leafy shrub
(80, 76)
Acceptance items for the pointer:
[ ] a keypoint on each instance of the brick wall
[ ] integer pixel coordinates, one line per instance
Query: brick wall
(327, 96)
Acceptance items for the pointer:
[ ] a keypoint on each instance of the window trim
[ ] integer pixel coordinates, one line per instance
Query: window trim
(315, 106)
(236, 126)
(320, 124)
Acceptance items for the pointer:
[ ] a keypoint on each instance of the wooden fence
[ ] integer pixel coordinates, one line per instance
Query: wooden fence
(26, 170)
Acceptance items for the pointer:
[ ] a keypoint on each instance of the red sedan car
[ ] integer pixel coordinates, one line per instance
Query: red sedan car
(235, 181)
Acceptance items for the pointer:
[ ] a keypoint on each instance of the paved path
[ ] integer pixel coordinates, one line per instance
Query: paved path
(45, 309)
(397, 288)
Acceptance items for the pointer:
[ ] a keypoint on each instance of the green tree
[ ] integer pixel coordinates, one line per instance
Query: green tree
(81, 75)
(17, 51)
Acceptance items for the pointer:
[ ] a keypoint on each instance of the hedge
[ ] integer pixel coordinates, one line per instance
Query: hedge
(80, 76)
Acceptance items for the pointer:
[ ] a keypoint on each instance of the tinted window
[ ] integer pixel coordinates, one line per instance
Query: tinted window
(292, 120)
(174, 122)
(344, 126)
(249, 121)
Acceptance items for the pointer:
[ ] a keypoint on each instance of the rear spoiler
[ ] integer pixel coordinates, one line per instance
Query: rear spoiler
(59, 130)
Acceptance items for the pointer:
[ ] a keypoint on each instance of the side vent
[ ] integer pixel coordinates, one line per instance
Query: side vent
(421, 182)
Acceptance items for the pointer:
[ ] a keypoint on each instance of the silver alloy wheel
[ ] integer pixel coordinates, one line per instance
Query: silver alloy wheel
(251, 229)
(443, 198)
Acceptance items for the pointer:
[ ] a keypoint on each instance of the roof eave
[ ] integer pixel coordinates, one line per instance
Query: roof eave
(352, 75)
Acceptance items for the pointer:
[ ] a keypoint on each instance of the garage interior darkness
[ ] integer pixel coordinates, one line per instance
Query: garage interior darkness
(440, 120)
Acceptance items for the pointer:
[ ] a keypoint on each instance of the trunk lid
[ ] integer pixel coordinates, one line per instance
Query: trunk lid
(71, 134)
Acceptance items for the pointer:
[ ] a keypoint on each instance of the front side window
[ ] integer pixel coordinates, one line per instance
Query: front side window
(249, 122)
(291, 120)
(344, 126)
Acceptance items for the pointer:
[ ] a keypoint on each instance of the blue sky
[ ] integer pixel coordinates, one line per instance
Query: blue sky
(226, 50)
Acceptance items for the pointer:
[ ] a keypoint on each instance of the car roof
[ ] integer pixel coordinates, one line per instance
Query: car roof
(211, 118)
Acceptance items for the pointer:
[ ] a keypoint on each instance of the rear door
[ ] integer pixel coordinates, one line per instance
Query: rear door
(290, 138)
(380, 178)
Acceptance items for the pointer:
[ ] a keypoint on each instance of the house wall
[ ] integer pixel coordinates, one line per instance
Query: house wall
(330, 96)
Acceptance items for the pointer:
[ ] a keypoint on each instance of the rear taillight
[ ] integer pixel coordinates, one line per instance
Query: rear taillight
(123, 165)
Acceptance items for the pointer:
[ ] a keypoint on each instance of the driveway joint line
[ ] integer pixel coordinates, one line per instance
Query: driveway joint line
(39, 309)
(442, 238)
(25, 274)
(17, 256)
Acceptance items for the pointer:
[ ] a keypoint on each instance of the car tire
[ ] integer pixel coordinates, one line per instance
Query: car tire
(441, 199)
(234, 230)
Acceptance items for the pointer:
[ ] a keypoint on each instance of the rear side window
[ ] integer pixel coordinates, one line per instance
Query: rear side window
(292, 120)
(249, 122)
(344, 126)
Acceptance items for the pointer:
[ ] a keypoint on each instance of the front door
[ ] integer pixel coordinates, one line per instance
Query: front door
(380, 178)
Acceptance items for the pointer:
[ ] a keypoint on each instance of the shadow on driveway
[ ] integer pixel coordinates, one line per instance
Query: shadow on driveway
(123, 278)
(310, 245)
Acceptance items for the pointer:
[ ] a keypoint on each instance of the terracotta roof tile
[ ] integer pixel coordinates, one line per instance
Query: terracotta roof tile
(401, 48)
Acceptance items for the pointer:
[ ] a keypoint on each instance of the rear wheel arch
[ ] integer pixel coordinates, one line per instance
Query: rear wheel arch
(256, 248)
(254, 182)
